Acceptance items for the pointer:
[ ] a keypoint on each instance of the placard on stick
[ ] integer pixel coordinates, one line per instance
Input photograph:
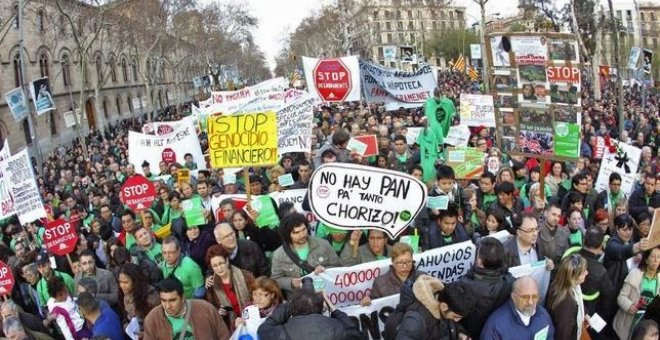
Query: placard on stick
(654, 233)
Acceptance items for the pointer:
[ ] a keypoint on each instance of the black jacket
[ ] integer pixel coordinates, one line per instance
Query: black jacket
(282, 326)
(616, 255)
(598, 282)
(431, 236)
(490, 289)
(637, 203)
(251, 258)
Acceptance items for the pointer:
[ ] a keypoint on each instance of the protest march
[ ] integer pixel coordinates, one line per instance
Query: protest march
(369, 203)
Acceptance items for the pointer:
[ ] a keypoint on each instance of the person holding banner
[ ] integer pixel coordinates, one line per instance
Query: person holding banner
(376, 249)
(300, 254)
(401, 271)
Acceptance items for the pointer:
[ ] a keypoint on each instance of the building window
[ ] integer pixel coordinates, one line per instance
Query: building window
(389, 38)
(629, 15)
(399, 26)
(134, 69)
(411, 26)
(435, 24)
(40, 21)
(443, 15)
(66, 70)
(99, 70)
(388, 26)
(118, 102)
(129, 103)
(410, 14)
(16, 23)
(26, 132)
(43, 65)
(641, 16)
(53, 123)
(375, 15)
(113, 71)
(387, 14)
(63, 24)
(124, 69)
(655, 42)
(18, 74)
(105, 108)
(401, 38)
(378, 27)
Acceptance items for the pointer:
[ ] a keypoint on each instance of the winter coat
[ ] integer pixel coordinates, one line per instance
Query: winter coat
(599, 286)
(629, 296)
(505, 322)
(205, 321)
(284, 269)
(282, 326)
(431, 236)
(616, 255)
(638, 203)
(389, 284)
(490, 289)
(251, 258)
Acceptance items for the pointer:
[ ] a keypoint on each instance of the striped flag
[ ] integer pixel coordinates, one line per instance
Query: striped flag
(459, 65)
(297, 75)
(472, 73)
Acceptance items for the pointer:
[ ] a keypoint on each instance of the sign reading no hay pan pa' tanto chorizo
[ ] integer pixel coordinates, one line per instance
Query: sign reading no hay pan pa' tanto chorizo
(350, 196)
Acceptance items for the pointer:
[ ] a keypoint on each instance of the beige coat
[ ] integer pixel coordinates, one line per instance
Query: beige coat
(629, 296)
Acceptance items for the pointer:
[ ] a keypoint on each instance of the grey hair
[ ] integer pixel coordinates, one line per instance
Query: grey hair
(12, 324)
(31, 268)
(9, 305)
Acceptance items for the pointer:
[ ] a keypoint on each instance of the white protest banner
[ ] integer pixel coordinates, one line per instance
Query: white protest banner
(295, 196)
(351, 196)
(538, 272)
(6, 203)
(371, 319)
(19, 177)
(293, 94)
(165, 128)
(182, 140)
(396, 88)
(412, 133)
(635, 52)
(477, 110)
(294, 126)
(625, 162)
(17, 104)
(229, 102)
(346, 286)
(459, 135)
(267, 102)
(41, 95)
(333, 79)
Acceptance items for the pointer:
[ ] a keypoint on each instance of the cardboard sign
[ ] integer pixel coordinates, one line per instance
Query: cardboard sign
(352, 197)
(333, 79)
(294, 126)
(168, 156)
(348, 285)
(6, 202)
(15, 99)
(138, 193)
(654, 233)
(477, 110)
(468, 163)
(412, 133)
(243, 140)
(372, 144)
(627, 169)
(183, 176)
(60, 237)
(459, 135)
(6, 279)
(19, 179)
(193, 211)
(356, 146)
(285, 180)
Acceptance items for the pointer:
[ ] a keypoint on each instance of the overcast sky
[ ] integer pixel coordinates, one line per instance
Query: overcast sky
(277, 17)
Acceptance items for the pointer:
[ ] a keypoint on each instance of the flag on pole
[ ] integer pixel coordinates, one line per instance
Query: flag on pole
(297, 75)
(472, 73)
(459, 65)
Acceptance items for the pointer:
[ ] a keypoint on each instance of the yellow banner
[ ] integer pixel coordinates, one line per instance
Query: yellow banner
(243, 140)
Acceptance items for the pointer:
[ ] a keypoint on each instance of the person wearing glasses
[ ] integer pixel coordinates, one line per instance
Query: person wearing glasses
(244, 254)
(620, 248)
(375, 249)
(641, 286)
(523, 248)
(522, 315)
(401, 270)
(565, 298)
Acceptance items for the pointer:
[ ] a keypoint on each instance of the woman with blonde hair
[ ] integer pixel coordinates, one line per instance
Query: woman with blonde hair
(565, 298)
(273, 174)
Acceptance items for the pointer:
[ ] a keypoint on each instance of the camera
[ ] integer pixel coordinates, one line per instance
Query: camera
(308, 284)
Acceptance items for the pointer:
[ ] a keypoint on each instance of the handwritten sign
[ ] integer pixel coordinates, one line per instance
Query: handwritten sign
(350, 197)
(356, 146)
(243, 140)
(20, 181)
(477, 110)
(294, 124)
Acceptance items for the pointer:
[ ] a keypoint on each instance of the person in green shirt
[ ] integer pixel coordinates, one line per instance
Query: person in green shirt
(182, 267)
(376, 249)
(486, 194)
(147, 247)
(146, 169)
(46, 272)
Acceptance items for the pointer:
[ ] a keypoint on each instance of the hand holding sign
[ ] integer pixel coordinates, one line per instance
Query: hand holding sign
(353, 197)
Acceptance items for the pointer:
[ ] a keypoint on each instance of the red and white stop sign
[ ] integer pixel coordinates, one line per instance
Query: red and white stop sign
(138, 193)
(168, 156)
(60, 237)
(6, 279)
(333, 80)
(164, 129)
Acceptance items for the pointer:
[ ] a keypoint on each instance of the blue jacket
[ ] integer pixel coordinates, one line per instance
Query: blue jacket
(505, 323)
(431, 236)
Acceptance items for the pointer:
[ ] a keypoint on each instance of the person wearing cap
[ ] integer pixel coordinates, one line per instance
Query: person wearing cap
(522, 317)
(428, 317)
(46, 273)
(229, 185)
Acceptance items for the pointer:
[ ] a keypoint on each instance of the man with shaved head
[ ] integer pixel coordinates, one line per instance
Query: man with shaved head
(522, 316)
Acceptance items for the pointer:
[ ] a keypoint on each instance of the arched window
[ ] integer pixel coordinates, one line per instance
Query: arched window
(53, 123)
(129, 103)
(18, 74)
(66, 70)
(124, 69)
(16, 23)
(118, 102)
(134, 70)
(113, 71)
(99, 67)
(40, 21)
(105, 108)
(43, 65)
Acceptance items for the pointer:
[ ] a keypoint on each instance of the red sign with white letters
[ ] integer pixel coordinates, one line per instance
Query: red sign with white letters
(60, 237)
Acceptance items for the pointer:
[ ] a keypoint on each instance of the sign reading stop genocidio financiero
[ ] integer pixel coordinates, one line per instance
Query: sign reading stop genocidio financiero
(60, 237)
(350, 197)
(243, 140)
(138, 193)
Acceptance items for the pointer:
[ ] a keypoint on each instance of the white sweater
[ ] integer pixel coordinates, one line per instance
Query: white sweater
(72, 308)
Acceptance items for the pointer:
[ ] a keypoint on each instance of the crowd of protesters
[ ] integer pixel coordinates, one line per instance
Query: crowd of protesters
(193, 282)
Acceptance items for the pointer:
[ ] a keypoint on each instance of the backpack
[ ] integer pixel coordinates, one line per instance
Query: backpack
(392, 323)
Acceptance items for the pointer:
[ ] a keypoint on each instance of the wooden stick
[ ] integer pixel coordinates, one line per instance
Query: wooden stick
(68, 258)
(542, 179)
(246, 176)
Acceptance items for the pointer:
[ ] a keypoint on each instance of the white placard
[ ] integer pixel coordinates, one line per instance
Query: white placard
(609, 165)
(294, 126)
(19, 178)
(477, 110)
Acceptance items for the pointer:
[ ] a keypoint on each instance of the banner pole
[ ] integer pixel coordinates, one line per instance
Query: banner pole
(246, 176)
(542, 179)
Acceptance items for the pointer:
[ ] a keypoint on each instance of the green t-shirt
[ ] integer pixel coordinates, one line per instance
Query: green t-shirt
(448, 239)
(575, 238)
(402, 158)
(155, 254)
(337, 246)
(188, 272)
(303, 252)
(649, 287)
(488, 200)
(42, 286)
(177, 324)
(130, 240)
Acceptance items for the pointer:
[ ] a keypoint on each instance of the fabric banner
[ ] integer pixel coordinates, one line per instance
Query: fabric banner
(624, 161)
(369, 318)
(143, 147)
(230, 102)
(412, 133)
(41, 95)
(243, 140)
(396, 88)
(163, 128)
(333, 79)
(6, 202)
(346, 286)
(294, 126)
(477, 110)
(17, 104)
(19, 178)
